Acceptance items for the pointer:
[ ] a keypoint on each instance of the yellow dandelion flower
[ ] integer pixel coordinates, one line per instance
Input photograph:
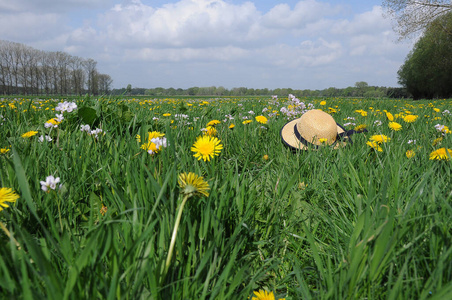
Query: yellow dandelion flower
(436, 109)
(7, 195)
(380, 138)
(190, 185)
(261, 119)
(166, 115)
(362, 112)
(4, 150)
(155, 134)
(374, 145)
(410, 153)
(103, 210)
(322, 103)
(389, 116)
(29, 134)
(410, 118)
(441, 154)
(302, 186)
(444, 129)
(155, 142)
(246, 122)
(360, 127)
(150, 147)
(264, 295)
(53, 121)
(333, 110)
(209, 130)
(437, 141)
(206, 147)
(193, 185)
(231, 126)
(394, 126)
(213, 123)
(265, 157)
(323, 140)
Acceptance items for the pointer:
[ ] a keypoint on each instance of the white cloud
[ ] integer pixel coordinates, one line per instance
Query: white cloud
(50, 5)
(305, 55)
(187, 23)
(30, 26)
(304, 12)
(368, 22)
(187, 54)
(216, 42)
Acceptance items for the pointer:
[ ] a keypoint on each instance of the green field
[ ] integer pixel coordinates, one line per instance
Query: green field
(368, 221)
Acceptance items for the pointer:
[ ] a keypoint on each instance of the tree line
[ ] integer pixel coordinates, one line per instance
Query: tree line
(28, 71)
(360, 89)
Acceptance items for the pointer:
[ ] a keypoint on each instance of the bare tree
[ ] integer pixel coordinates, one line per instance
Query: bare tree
(24, 56)
(78, 75)
(14, 53)
(35, 75)
(45, 78)
(104, 82)
(90, 67)
(412, 16)
(62, 62)
(5, 68)
(24, 69)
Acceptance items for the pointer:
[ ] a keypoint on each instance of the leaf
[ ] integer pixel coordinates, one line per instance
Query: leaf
(87, 114)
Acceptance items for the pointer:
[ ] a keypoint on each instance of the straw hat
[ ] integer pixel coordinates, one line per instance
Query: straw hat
(313, 129)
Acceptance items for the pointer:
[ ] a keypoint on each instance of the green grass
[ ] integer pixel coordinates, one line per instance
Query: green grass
(351, 223)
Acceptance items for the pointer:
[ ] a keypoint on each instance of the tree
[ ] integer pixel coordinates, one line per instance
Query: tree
(361, 88)
(412, 16)
(105, 82)
(129, 89)
(426, 72)
(78, 75)
(91, 71)
(25, 70)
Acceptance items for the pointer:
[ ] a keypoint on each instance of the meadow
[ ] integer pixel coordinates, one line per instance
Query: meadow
(198, 198)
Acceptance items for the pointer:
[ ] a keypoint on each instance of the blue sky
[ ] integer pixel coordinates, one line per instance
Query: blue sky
(310, 44)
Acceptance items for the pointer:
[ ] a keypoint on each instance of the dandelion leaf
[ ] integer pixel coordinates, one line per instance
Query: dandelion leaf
(88, 115)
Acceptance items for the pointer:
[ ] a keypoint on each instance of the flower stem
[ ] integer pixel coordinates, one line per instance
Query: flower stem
(173, 237)
(59, 215)
(3, 227)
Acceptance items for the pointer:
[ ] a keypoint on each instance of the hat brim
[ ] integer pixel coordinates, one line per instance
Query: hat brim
(289, 138)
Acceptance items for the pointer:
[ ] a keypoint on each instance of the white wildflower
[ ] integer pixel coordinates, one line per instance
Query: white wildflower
(47, 138)
(96, 132)
(66, 106)
(50, 182)
(59, 118)
(86, 128)
(50, 125)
